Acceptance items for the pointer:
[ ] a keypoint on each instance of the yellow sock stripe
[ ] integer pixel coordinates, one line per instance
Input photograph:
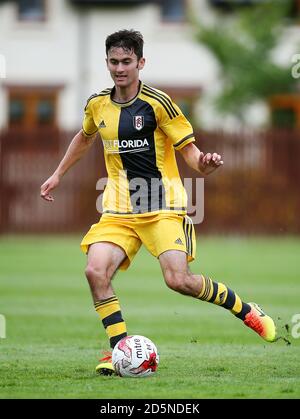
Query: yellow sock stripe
(221, 294)
(106, 309)
(203, 287)
(218, 293)
(207, 289)
(107, 300)
(116, 329)
(238, 305)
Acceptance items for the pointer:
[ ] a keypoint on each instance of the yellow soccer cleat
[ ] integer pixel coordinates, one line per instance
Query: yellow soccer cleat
(262, 324)
(105, 367)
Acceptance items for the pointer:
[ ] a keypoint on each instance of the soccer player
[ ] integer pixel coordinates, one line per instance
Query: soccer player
(144, 200)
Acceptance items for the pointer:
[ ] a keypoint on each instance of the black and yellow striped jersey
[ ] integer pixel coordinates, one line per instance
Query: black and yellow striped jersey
(140, 138)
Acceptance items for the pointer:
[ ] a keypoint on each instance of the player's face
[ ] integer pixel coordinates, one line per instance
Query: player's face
(124, 66)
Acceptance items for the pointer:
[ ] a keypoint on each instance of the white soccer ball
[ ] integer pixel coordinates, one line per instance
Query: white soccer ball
(135, 356)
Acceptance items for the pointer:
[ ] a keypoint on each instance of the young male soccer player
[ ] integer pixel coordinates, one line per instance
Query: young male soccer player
(141, 128)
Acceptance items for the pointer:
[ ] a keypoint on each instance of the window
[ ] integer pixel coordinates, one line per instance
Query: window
(45, 111)
(31, 10)
(231, 5)
(284, 118)
(173, 10)
(295, 9)
(16, 110)
(110, 2)
(31, 107)
(285, 111)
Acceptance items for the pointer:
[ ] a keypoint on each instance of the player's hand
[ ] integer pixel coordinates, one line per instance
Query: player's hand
(209, 162)
(48, 186)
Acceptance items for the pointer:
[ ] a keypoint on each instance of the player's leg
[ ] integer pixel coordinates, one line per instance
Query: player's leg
(103, 260)
(110, 244)
(172, 239)
(178, 277)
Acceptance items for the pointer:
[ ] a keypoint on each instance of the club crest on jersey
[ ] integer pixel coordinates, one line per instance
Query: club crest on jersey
(138, 122)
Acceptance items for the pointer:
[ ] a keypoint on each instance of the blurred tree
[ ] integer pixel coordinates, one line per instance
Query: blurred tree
(243, 43)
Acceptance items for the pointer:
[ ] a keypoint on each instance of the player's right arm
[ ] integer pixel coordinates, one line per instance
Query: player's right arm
(77, 148)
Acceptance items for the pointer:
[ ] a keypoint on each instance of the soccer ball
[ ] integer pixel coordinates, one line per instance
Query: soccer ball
(135, 356)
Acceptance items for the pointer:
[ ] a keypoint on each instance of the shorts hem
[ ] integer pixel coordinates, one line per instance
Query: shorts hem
(85, 247)
(190, 258)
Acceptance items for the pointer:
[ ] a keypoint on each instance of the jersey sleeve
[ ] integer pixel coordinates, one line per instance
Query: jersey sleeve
(175, 125)
(88, 125)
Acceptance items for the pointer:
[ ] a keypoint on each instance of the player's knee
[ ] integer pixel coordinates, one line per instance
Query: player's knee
(175, 280)
(96, 274)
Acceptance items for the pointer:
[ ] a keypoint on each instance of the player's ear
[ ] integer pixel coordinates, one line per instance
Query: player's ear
(141, 63)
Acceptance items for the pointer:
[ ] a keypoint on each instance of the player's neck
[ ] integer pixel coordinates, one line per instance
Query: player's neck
(126, 94)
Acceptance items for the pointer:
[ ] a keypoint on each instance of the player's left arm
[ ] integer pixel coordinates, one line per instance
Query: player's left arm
(197, 160)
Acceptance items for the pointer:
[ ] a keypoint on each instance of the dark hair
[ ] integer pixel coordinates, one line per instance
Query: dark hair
(129, 40)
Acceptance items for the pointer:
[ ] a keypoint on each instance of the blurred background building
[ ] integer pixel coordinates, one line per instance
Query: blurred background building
(54, 59)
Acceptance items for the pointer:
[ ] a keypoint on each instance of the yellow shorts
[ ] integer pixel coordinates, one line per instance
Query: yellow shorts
(159, 233)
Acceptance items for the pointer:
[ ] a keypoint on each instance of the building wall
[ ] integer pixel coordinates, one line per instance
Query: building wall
(42, 53)
(68, 49)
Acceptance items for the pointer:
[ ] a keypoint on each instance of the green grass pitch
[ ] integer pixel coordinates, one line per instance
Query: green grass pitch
(54, 337)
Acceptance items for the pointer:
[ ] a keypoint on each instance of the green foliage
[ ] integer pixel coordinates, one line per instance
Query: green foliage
(54, 337)
(243, 45)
